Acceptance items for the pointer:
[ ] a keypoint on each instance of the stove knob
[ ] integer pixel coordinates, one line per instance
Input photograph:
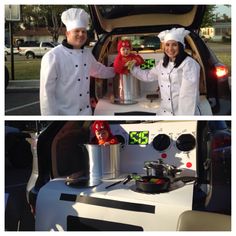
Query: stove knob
(186, 142)
(161, 142)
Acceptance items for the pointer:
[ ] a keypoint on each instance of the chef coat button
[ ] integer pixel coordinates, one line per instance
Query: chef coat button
(164, 111)
(161, 85)
(76, 65)
(80, 109)
(84, 64)
(82, 51)
(87, 106)
(168, 86)
(86, 77)
(78, 79)
(169, 99)
(81, 95)
(87, 92)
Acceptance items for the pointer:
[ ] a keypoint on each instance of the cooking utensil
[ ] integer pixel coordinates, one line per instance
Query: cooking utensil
(104, 162)
(111, 185)
(126, 89)
(185, 179)
(128, 178)
(153, 184)
(160, 169)
(125, 181)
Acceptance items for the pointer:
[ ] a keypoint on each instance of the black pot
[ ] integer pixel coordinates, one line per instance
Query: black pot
(153, 184)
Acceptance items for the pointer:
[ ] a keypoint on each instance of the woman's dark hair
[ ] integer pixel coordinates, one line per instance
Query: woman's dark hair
(179, 58)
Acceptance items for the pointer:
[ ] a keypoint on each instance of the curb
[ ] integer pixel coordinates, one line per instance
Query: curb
(15, 85)
(20, 90)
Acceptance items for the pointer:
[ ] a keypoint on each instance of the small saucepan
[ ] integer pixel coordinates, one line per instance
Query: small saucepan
(160, 169)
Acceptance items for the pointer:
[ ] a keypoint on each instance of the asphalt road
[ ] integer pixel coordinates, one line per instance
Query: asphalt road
(22, 102)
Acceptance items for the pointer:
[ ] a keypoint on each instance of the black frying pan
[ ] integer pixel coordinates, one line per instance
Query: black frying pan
(153, 184)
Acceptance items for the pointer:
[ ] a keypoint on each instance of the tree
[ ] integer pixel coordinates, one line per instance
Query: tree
(51, 15)
(209, 16)
(226, 18)
(48, 16)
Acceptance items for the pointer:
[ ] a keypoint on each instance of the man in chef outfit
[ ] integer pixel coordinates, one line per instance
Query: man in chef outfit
(178, 76)
(66, 70)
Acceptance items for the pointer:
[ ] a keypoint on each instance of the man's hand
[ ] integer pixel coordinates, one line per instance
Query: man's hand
(93, 102)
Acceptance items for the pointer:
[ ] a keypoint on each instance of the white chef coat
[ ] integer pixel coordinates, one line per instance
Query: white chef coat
(179, 87)
(65, 80)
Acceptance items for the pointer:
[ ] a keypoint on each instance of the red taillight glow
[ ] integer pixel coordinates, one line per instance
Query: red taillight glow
(221, 141)
(221, 71)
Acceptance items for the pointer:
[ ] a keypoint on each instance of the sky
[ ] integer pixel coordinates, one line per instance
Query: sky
(223, 10)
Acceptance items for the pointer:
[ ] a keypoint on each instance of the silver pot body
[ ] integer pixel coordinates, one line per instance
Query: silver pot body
(126, 89)
(104, 162)
(160, 169)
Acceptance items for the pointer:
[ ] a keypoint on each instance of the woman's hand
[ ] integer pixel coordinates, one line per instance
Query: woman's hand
(130, 64)
(106, 144)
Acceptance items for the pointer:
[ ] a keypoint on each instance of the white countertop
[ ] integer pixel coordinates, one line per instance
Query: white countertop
(106, 107)
(53, 210)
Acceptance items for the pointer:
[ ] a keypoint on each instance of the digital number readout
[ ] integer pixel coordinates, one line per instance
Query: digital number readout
(138, 137)
(149, 64)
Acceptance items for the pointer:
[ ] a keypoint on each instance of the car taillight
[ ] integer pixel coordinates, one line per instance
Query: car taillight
(221, 141)
(220, 71)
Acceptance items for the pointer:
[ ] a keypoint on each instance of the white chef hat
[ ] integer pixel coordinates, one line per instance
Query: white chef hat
(75, 18)
(177, 34)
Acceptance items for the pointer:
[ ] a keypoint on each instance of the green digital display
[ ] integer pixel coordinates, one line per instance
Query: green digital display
(138, 137)
(149, 64)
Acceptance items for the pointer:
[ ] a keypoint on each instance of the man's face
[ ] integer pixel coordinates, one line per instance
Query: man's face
(77, 37)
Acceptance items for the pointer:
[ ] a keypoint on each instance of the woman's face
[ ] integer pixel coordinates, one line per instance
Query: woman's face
(77, 37)
(171, 49)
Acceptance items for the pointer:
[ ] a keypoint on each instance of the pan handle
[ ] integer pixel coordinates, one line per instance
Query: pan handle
(185, 179)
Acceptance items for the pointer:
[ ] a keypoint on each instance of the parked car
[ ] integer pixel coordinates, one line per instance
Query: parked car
(199, 152)
(17, 149)
(32, 49)
(7, 50)
(139, 22)
(28, 43)
(205, 39)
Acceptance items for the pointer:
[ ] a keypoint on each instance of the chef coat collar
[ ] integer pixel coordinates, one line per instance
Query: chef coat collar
(67, 45)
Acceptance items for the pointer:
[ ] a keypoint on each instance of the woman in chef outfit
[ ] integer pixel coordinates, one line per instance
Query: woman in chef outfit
(66, 70)
(178, 76)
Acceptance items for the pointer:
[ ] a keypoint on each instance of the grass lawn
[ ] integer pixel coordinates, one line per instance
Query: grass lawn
(26, 69)
(30, 69)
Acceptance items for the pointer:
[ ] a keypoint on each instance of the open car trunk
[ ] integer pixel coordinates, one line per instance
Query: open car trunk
(108, 18)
